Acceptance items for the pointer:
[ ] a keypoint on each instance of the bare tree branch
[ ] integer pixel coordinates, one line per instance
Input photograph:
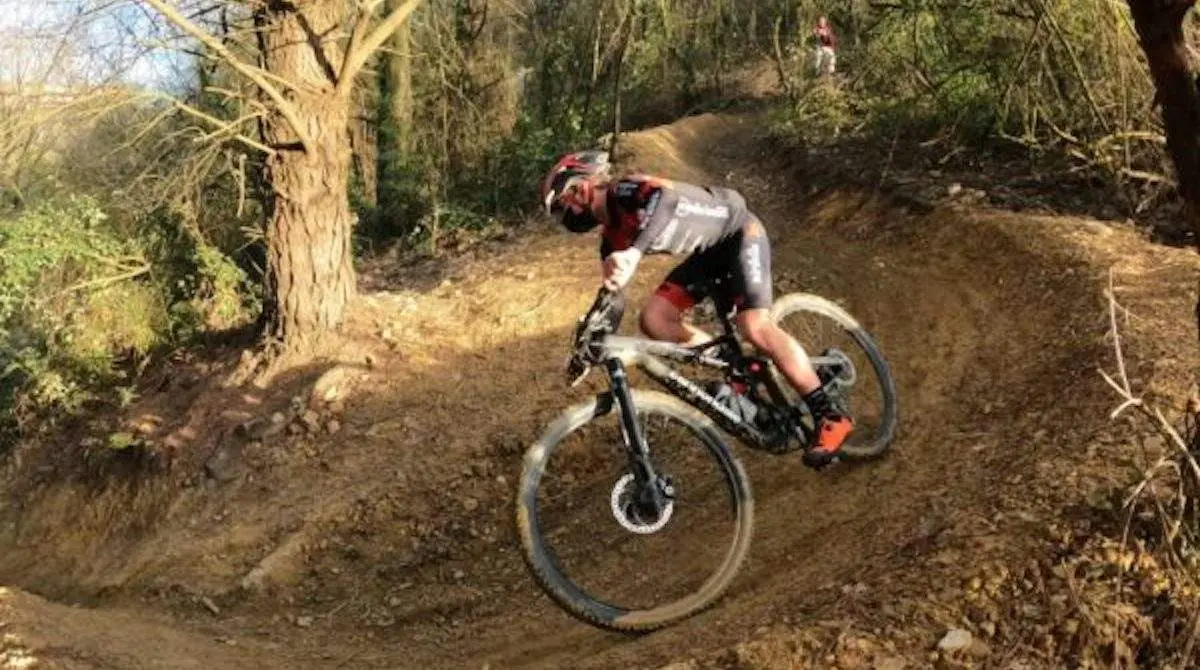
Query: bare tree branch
(361, 24)
(357, 54)
(103, 282)
(251, 72)
(225, 128)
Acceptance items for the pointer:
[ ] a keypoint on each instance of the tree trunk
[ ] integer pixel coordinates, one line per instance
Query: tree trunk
(626, 29)
(394, 128)
(400, 75)
(310, 276)
(594, 78)
(1160, 27)
(364, 147)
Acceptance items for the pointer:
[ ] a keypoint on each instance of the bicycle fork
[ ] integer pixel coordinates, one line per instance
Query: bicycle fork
(653, 493)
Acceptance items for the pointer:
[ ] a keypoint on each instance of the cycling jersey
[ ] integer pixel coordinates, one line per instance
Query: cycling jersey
(710, 224)
(661, 216)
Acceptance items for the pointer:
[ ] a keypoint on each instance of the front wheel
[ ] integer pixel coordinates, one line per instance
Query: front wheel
(598, 554)
(849, 362)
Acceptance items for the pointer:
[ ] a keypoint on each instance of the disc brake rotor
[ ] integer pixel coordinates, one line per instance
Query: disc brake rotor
(625, 509)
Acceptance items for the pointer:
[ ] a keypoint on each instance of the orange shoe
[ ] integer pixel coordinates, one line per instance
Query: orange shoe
(826, 448)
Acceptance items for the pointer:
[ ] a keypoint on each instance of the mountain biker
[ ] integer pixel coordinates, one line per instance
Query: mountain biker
(641, 214)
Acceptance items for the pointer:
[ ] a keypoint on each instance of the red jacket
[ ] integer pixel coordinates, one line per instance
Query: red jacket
(825, 36)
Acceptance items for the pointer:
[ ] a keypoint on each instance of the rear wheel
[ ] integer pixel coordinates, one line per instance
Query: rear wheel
(855, 373)
(597, 553)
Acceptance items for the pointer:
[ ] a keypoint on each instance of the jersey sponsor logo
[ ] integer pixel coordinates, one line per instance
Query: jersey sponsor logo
(686, 206)
(754, 265)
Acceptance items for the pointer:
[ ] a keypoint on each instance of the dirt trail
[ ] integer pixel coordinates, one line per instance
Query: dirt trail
(391, 538)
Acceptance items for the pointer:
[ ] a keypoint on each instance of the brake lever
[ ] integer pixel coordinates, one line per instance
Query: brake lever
(586, 330)
(577, 370)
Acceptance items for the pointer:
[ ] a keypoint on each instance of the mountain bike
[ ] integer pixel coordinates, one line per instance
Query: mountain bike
(609, 462)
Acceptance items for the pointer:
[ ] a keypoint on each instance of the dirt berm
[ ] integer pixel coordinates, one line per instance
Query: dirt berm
(372, 528)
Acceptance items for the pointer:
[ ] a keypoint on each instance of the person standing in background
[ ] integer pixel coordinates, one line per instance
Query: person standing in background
(826, 49)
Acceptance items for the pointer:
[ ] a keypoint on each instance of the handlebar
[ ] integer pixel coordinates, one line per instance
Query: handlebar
(602, 318)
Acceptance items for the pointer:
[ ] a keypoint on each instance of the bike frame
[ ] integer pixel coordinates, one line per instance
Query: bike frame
(724, 352)
(651, 356)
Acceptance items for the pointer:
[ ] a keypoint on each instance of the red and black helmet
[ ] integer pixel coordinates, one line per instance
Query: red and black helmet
(562, 188)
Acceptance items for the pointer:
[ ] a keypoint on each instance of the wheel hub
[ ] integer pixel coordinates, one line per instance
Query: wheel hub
(634, 516)
(841, 371)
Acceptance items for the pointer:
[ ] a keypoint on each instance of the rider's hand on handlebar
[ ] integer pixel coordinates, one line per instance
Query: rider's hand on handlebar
(602, 318)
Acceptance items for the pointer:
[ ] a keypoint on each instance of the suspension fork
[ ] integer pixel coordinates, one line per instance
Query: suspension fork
(634, 437)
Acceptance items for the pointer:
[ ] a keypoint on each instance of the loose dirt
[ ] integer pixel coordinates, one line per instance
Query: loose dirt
(371, 526)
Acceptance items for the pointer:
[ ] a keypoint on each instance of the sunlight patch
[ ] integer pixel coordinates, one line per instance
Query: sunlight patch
(13, 656)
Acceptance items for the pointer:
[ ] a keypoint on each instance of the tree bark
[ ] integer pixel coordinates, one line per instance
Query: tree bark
(594, 78)
(310, 276)
(400, 75)
(1159, 25)
(364, 146)
(631, 8)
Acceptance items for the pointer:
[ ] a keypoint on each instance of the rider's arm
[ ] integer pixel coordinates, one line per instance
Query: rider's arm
(617, 266)
(658, 211)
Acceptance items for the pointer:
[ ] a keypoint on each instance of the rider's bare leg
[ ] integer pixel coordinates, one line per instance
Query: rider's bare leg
(662, 320)
(831, 427)
(757, 327)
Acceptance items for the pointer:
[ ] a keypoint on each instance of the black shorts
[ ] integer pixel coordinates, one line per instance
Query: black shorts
(741, 261)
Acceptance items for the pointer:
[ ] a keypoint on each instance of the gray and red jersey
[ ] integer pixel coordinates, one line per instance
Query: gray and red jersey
(712, 226)
(660, 216)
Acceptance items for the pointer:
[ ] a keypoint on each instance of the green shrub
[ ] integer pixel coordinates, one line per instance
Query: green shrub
(500, 182)
(821, 112)
(511, 172)
(203, 288)
(70, 300)
(79, 296)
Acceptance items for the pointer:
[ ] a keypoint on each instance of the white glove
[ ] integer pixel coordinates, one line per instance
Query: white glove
(619, 268)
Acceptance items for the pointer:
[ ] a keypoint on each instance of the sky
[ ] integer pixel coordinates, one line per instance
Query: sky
(85, 42)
